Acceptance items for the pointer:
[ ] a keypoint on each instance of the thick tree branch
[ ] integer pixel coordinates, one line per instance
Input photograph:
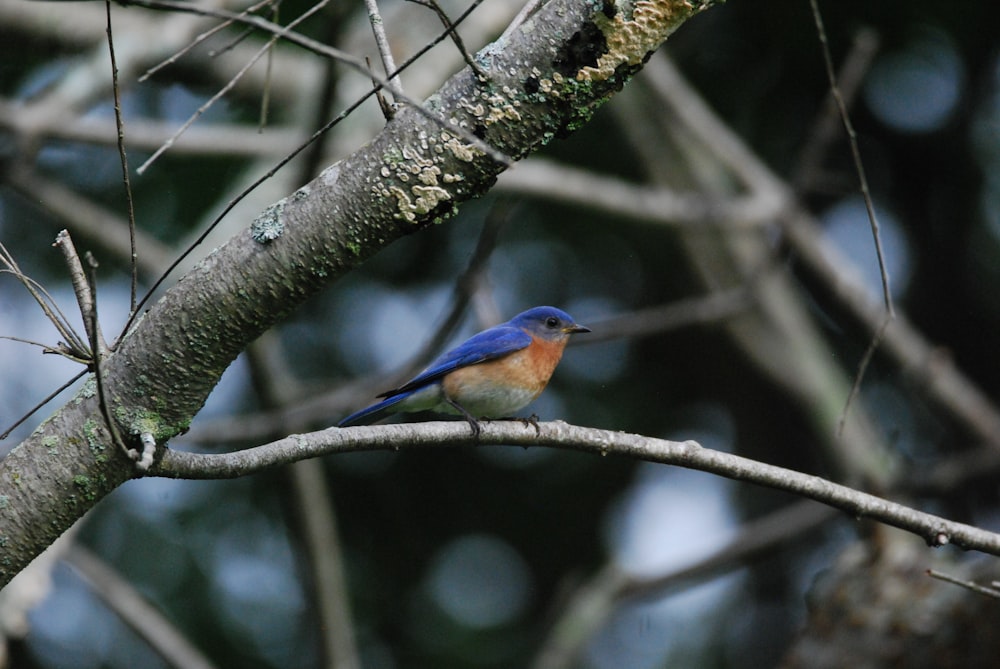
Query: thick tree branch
(936, 531)
(546, 79)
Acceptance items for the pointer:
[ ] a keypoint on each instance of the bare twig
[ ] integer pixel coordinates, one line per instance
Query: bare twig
(859, 375)
(388, 111)
(808, 171)
(315, 514)
(522, 16)
(393, 84)
(120, 126)
(541, 177)
(51, 396)
(437, 40)
(455, 37)
(471, 279)
(58, 349)
(593, 601)
(97, 224)
(929, 368)
(198, 40)
(98, 347)
(232, 82)
(265, 97)
(74, 348)
(969, 585)
(77, 347)
(135, 611)
(321, 536)
(859, 167)
(935, 530)
(233, 43)
(319, 48)
(699, 310)
(84, 295)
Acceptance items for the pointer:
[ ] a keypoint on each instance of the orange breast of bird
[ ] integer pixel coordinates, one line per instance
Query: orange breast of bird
(500, 387)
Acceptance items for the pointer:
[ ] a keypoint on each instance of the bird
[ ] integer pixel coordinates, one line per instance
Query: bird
(492, 374)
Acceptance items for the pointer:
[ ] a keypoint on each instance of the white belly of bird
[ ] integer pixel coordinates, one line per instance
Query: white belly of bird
(492, 402)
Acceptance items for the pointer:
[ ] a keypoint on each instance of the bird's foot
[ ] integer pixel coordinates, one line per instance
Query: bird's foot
(476, 427)
(531, 420)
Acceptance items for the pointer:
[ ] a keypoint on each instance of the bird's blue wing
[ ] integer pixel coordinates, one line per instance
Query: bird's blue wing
(487, 345)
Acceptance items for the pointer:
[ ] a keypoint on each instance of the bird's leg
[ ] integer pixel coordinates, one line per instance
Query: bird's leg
(473, 423)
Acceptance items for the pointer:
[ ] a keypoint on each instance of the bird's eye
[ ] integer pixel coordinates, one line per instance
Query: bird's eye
(552, 322)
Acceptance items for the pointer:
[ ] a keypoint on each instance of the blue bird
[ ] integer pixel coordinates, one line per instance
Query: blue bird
(491, 375)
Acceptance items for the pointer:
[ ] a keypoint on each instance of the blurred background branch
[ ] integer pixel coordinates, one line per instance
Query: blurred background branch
(704, 225)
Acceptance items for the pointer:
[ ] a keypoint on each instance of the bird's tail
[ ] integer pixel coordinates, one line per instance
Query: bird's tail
(375, 412)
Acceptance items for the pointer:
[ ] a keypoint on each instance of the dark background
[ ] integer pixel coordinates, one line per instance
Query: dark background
(466, 557)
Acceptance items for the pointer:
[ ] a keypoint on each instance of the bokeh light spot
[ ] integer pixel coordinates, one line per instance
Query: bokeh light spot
(480, 581)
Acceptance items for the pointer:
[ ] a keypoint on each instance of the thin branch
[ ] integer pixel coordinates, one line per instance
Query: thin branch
(859, 168)
(135, 611)
(522, 16)
(265, 98)
(808, 170)
(714, 307)
(331, 53)
(437, 40)
(58, 349)
(231, 83)
(455, 37)
(388, 111)
(74, 348)
(51, 396)
(120, 127)
(859, 375)
(322, 49)
(76, 345)
(198, 40)
(544, 178)
(98, 225)
(935, 530)
(592, 602)
(969, 585)
(236, 200)
(393, 85)
(314, 513)
(934, 372)
(468, 283)
(82, 288)
(97, 346)
(922, 363)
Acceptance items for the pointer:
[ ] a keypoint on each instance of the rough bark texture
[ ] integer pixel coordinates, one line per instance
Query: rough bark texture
(544, 81)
